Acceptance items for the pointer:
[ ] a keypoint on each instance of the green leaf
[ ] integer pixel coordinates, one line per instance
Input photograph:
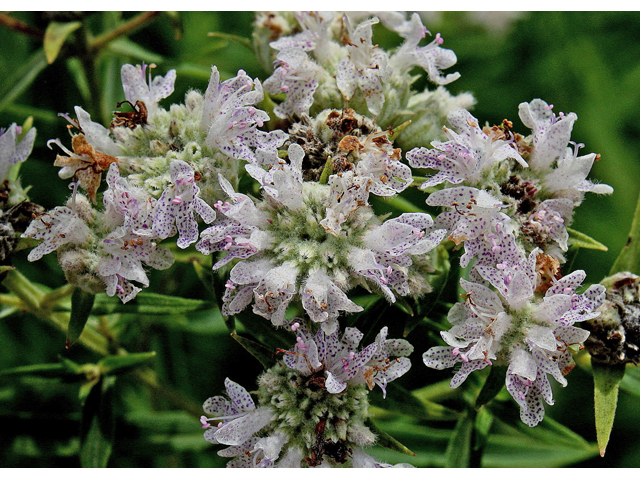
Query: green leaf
(606, 379)
(97, 426)
(492, 385)
(458, 454)
(147, 303)
(124, 46)
(22, 78)
(628, 259)
(118, 364)
(631, 382)
(46, 370)
(261, 353)
(385, 440)
(578, 239)
(401, 400)
(81, 305)
(79, 75)
(55, 36)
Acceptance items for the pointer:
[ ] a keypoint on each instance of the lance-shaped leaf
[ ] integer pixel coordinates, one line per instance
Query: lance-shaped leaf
(81, 305)
(98, 425)
(45, 370)
(147, 303)
(383, 439)
(257, 350)
(118, 364)
(458, 454)
(402, 401)
(492, 385)
(606, 379)
(55, 36)
(22, 78)
(579, 239)
(629, 257)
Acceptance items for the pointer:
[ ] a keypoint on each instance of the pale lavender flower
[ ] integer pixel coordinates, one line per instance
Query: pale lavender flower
(530, 334)
(56, 228)
(466, 157)
(377, 364)
(238, 417)
(231, 120)
(348, 193)
(430, 57)
(136, 87)
(297, 76)
(316, 34)
(13, 151)
(473, 212)
(364, 68)
(387, 249)
(474, 340)
(124, 251)
(127, 205)
(178, 203)
(380, 162)
(551, 134)
(360, 459)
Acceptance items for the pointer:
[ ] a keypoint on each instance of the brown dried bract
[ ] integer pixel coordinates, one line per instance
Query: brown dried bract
(130, 119)
(88, 164)
(548, 270)
(350, 143)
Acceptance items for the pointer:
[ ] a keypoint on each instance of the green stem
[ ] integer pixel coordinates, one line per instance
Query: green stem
(126, 28)
(629, 258)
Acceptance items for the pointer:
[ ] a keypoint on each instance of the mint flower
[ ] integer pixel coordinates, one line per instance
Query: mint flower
(289, 252)
(177, 204)
(13, 151)
(136, 87)
(467, 157)
(430, 57)
(56, 228)
(126, 205)
(365, 67)
(342, 365)
(562, 172)
(238, 417)
(520, 328)
(297, 76)
(231, 120)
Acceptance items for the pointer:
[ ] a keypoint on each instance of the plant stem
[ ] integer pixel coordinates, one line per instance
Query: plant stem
(20, 26)
(126, 28)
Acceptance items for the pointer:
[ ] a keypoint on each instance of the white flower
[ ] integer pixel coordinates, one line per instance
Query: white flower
(178, 203)
(58, 227)
(135, 86)
(12, 151)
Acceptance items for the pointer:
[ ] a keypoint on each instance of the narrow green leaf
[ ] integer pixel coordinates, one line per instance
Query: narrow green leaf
(147, 303)
(482, 425)
(458, 454)
(265, 356)
(631, 382)
(81, 305)
(128, 48)
(55, 36)
(492, 385)
(628, 259)
(606, 379)
(387, 441)
(579, 239)
(47, 370)
(22, 78)
(400, 400)
(326, 171)
(79, 75)
(97, 426)
(118, 364)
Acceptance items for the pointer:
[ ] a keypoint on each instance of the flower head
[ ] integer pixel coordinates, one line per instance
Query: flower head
(13, 151)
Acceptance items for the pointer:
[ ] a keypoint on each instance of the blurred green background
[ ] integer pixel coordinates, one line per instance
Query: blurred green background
(582, 62)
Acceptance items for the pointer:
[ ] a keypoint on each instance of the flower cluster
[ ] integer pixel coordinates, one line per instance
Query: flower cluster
(309, 224)
(510, 201)
(312, 405)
